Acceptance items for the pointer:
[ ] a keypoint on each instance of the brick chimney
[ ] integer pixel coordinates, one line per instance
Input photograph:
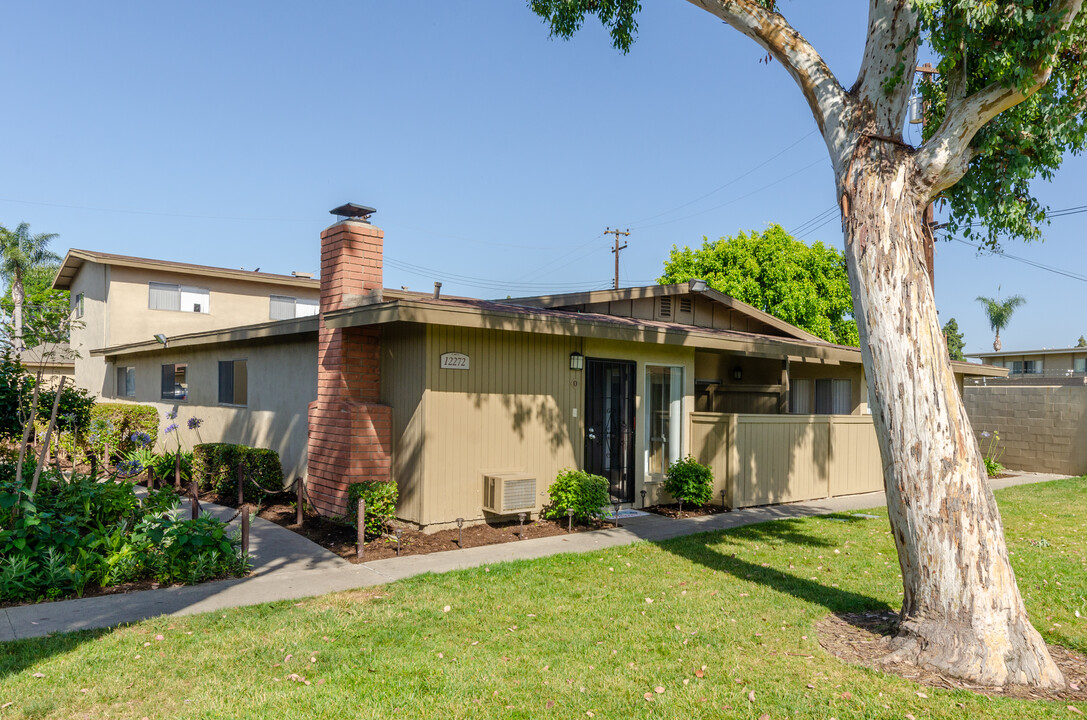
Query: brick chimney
(350, 431)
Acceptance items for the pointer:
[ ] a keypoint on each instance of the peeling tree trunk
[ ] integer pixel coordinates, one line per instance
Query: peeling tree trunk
(962, 612)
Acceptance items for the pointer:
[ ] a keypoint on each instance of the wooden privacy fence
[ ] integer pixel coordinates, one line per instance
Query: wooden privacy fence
(767, 459)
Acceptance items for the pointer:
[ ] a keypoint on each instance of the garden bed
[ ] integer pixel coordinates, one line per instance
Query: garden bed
(672, 510)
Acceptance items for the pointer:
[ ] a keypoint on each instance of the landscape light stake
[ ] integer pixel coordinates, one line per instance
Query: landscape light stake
(362, 528)
(680, 506)
(298, 515)
(723, 501)
(399, 532)
(643, 499)
(521, 531)
(617, 505)
(460, 532)
(245, 531)
(241, 485)
(569, 519)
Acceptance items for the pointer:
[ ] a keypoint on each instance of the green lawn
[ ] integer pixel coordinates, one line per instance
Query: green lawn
(566, 637)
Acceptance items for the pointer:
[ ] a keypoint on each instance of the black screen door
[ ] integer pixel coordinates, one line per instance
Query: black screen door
(609, 424)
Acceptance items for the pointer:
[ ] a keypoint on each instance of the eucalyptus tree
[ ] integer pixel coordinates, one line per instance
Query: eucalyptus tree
(1000, 313)
(1007, 105)
(21, 253)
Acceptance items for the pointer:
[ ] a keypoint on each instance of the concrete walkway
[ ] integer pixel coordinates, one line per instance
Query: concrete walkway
(287, 566)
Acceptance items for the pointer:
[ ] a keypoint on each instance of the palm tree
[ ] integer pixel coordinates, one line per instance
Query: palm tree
(20, 252)
(1000, 313)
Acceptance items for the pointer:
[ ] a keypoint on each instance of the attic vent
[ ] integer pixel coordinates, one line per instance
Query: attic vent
(666, 307)
(684, 305)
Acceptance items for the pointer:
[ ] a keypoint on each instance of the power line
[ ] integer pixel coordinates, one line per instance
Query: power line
(733, 181)
(1026, 261)
(832, 210)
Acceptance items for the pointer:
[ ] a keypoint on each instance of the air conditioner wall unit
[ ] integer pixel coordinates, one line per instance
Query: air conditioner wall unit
(506, 493)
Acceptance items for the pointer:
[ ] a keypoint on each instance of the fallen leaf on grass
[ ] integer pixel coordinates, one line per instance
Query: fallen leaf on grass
(39, 675)
(658, 689)
(751, 696)
(699, 673)
(160, 638)
(549, 704)
(7, 704)
(446, 608)
(764, 716)
(922, 695)
(1071, 708)
(648, 696)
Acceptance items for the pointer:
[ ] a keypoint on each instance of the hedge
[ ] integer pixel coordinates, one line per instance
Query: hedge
(112, 424)
(215, 468)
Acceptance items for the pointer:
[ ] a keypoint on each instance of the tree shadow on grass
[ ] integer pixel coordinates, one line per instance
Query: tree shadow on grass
(700, 549)
(27, 654)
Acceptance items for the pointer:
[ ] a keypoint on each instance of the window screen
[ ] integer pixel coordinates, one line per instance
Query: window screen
(174, 384)
(233, 382)
(164, 296)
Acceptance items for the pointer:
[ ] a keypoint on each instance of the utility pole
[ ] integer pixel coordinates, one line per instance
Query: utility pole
(617, 248)
(930, 214)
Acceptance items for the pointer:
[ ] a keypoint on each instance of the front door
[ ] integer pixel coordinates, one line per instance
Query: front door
(609, 424)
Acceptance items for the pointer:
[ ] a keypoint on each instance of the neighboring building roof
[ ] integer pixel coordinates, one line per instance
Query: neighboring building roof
(242, 333)
(56, 355)
(1043, 351)
(696, 287)
(75, 258)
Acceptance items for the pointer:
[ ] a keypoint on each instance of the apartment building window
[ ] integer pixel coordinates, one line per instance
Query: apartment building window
(284, 307)
(77, 306)
(164, 296)
(174, 383)
(833, 396)
(664, 426)
(126, 382)
(1079, 365)
(800, 396)
(1026, 367)
(233, 382)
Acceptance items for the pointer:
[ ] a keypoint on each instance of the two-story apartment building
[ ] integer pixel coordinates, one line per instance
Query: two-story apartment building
(1054, 366)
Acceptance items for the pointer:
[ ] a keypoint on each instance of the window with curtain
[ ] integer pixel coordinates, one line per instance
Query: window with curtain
(284, 307)
(165, 296)
(833, 396)
(174, 383)
(800, 396)
(233, 382)
(664, 418)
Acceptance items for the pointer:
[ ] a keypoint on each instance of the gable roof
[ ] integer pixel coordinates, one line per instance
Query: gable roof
(75, 258)
(691, 287)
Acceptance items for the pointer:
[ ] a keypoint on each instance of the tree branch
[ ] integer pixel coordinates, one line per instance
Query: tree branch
(945, 158)
(890, 55)
(826, 97)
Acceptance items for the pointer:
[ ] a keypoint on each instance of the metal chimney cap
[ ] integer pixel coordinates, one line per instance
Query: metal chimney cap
(353, 210)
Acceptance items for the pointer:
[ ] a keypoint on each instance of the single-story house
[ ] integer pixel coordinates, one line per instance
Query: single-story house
(54, 360)
(473, 406)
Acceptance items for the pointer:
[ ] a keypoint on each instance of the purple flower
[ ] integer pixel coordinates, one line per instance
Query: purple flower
(985, 434)
(170, 428)
(172, 415)
(195, 422)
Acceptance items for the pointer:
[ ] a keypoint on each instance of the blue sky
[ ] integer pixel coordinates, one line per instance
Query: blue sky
(222, 133)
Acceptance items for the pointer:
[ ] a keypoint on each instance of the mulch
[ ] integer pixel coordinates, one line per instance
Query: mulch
(864, 639)
(341, 538)
(672, 510)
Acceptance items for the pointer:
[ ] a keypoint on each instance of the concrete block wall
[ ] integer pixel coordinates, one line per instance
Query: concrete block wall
(1042, 429)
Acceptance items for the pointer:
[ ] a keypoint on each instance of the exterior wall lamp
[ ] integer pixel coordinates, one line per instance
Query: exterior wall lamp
(737, 373)
(577, 361)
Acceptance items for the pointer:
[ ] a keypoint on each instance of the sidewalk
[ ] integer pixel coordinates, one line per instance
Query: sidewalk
(287, 566)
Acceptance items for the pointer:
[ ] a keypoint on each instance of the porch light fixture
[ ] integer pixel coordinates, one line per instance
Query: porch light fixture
(917, 110)
(737, 373)
(697, 285)
(577, 361)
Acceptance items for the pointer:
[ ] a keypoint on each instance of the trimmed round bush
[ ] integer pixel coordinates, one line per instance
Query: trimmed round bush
(578, 490)
(380, 497)
(690, 480)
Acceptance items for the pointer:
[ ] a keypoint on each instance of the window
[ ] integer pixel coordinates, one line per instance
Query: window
(126, 382)
(800, 396)
(164, 296)
(78, 306)
(664, 423)
(1026, 367)
(1079, 365)
(174, 385)
(233, 382)
(833, 396)
(283, 307)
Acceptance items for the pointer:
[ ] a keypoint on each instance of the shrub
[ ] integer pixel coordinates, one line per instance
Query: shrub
(578, 490)
(73, 411)
(380, 496)
(215, 468)
(71, 534)
(112, 425)
(690, 480)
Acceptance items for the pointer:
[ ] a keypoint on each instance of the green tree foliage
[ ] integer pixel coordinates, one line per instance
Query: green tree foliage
(46, 311)
(955, 342)
(806, 286)
(1082, 342)
(1000, 313)
(21, 253)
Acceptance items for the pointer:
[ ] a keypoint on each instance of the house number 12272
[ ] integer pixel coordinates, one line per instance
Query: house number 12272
(454, 361)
